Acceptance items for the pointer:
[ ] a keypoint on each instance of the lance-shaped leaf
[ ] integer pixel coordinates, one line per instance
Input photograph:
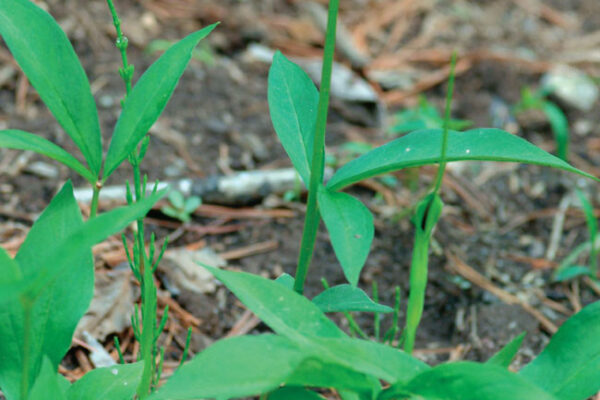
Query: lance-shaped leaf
(232, 368)
(19, 140)
(423, 148)
(49, 381)
(56, 262)
(505, 356)
(283, 310)
(250, 365)
(467, 381)
(92, 232)
(117, 382)
(46, 56)
(345, 297)
(11, 279)
(44, 325)
(350, 226)
(149, 97)
(293, 101)
(569, 366)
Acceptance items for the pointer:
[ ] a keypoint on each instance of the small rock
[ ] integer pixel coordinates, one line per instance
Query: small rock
(572, 86)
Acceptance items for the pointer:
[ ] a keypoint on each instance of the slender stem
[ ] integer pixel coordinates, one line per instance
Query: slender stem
(121, 43)
(418, 285)
(148, 308)
(312, 219)
(186, 349)
(442, 167)
(95, 197)
(377, 316)
(118, 347)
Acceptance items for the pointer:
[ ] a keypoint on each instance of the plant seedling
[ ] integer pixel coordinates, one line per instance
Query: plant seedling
(538, 100)
(568, 269)
(423, 116)
(179, 207)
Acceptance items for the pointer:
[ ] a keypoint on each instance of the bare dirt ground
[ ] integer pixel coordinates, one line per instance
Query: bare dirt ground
(493, 252)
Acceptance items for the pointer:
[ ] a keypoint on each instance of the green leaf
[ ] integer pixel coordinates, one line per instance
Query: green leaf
(569, 366)
(570, 272)
(590, 218)
(92, 232)
(285, 311)
(235, 367)
(46, 56)
(347, 298)
(348, 395)
(176, 198)
(320, 371)
(48, 381)
(55, 310)
(350, 226)
(11, 279)
(370, 358)
(423, 148)
(15, 139)
(560, 128)
(191, 204)
(286, 280)
(148, 98)
(118, 382)
(505, 356)
(249, 365)
(294, 393)
(467, 381)
(293, 100)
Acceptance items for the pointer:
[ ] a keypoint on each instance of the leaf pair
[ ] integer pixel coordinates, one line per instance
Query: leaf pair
(51, 282)
(46, 56)
(293, 102)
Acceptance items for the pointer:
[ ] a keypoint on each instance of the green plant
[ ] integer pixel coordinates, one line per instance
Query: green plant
(44, 297)
(569, 269)
(180, 207)
(307, 350)
(558, 120)
(423, 116)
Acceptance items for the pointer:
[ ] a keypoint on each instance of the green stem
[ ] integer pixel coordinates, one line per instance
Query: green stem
(418, 285)
(428, 213)
(442, 167)
(95, 197)
(312, 219)
(149, 304)
(122, 43)
(377, 316)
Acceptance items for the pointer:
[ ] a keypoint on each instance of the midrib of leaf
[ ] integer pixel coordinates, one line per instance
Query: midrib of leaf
(40, 67)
